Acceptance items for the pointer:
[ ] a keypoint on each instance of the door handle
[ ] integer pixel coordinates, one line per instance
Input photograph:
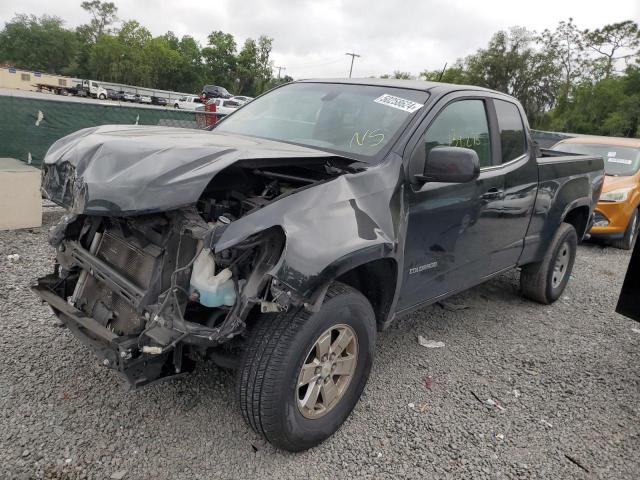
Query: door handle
(492, 194)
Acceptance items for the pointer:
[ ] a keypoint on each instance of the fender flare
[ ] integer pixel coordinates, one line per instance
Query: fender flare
(316, 289)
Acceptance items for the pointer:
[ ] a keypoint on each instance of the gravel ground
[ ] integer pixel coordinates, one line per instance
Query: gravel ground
(565, 379)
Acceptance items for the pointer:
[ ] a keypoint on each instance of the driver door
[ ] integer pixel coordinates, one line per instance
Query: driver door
(451, 227)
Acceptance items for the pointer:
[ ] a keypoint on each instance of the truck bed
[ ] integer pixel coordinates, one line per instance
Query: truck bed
(566, 182)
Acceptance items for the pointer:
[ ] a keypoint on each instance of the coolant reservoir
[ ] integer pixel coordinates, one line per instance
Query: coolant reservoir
(215, 289)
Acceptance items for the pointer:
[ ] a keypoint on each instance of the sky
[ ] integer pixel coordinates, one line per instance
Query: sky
(312, 37)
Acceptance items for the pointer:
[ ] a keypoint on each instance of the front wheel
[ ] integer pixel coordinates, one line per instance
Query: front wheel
(102, 97)
(302, 374)
(630, 235)
(545, 281)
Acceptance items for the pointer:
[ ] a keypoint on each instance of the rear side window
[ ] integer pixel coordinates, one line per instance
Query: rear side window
(512, 138)
(461, 124)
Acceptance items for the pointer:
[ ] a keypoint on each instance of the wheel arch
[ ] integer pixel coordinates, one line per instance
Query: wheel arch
(376, 278)
(578, 217)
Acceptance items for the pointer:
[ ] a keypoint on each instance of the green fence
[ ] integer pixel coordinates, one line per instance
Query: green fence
(31, 122)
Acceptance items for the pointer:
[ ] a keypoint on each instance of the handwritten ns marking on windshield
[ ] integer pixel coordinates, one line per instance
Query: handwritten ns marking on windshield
(370, 138)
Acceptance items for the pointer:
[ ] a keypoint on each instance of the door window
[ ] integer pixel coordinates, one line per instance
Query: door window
(461, 124)
(512, 139)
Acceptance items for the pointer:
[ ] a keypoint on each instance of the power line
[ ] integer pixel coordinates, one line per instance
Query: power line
(353, 56)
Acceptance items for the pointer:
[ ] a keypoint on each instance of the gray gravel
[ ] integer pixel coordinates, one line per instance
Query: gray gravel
(565, 378)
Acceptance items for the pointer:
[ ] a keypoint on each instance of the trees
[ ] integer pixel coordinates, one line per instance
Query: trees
(104, 15)
(510, 63)
(38, 43)
(399, 75)
(117, 51)
(565, 48)
(610, 106)
(220, 57)
(565, 78)
(613, 42)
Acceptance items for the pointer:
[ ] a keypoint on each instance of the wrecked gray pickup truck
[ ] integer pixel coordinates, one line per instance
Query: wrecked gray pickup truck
(280, 242)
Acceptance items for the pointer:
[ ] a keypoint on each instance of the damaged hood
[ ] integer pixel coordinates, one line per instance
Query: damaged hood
(125, 170)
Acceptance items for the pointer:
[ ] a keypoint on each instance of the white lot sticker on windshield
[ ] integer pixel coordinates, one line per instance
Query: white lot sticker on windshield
(611, 154)
(619, 160)
(399, 103)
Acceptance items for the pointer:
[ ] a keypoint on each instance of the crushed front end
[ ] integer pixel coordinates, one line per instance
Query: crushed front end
(126, 288)
(145, 274)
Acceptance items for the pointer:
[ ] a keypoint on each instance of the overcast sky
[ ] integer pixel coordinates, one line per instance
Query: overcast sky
(312, 36)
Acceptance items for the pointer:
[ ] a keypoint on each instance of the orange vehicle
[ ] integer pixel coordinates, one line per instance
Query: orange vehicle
(616, 215)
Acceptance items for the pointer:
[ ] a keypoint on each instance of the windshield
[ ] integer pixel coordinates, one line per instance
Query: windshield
(618, 161)
(357, 120)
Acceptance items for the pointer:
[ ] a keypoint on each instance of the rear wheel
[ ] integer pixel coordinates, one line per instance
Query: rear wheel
(545, 281)
(302, 374)
(630, 235)
(102, 96)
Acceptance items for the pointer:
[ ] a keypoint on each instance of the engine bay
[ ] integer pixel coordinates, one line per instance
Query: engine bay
(239, 190)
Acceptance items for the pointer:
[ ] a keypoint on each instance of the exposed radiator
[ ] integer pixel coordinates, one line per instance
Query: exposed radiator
(106, 306)
(134, 264)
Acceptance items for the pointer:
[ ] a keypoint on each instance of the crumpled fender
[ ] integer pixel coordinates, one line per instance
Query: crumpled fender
(347, 221)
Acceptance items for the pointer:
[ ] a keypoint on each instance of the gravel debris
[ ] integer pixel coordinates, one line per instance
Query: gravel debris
(429, 343)
(575, 364)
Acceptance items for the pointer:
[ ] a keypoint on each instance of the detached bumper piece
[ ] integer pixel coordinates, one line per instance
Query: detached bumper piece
(119, 352)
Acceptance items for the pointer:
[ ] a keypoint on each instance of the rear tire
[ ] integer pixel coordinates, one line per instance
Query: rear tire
(630, 234)
(276, 400)
(545, 281)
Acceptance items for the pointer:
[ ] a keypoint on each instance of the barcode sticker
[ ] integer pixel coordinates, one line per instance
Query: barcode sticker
(619, 160)
(399, 103)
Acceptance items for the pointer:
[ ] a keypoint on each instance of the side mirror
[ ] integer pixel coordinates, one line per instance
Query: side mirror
(450, 165)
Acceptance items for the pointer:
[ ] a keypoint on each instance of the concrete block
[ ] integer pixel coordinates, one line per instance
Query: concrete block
(20, 198)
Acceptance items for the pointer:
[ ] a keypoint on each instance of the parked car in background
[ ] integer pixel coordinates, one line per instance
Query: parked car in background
(114, 95)
(214, 91)
(241, 99)
(616, 216)
(283, 239)
(161, 101)
(129, 97)
(144, 99)
(223, 105)
(188, 103)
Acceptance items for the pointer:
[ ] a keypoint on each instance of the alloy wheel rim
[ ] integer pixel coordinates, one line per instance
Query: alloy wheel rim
(561, 265)
(327, 371)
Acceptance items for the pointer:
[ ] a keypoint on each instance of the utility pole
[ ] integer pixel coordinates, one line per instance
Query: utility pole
(280, 68)
(353, 56)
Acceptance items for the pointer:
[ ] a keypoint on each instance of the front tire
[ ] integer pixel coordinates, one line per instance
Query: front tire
(545, 281)
(301, 373)
(102, 97)
(630, 235)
